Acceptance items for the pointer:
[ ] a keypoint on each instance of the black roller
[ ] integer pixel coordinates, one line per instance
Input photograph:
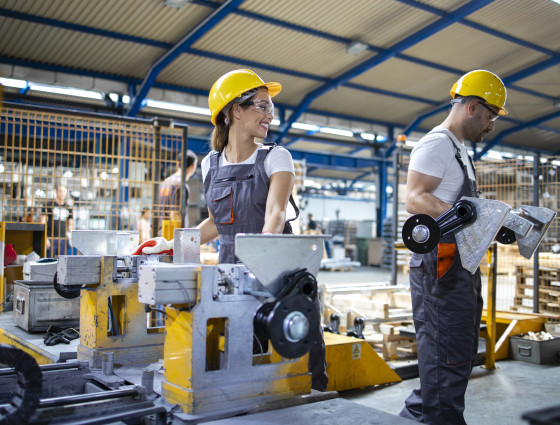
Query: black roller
(417, 226)
(63, 291)
(30, 385)
(505, 236)
(272, 321)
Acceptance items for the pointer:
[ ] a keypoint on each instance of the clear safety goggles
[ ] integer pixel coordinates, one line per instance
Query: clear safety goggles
(261, 106)
(493, 114)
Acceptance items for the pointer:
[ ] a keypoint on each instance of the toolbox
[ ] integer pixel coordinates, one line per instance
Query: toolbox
(539, 352)
(37, 306)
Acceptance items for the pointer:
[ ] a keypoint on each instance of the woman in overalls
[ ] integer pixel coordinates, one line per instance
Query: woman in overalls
(247, 184)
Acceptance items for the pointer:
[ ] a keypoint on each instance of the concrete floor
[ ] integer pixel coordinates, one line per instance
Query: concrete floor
(493, 397)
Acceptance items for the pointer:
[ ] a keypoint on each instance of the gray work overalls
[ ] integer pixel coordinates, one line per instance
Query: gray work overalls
(236, 196)
(446, 306)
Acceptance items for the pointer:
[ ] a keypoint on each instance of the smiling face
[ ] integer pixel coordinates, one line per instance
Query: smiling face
(257, 114)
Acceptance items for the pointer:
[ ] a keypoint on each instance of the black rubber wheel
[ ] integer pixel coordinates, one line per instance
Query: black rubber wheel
(432, 240)
(63, 291)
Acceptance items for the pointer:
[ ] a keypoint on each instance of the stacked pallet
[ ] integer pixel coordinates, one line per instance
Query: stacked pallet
(549, 291)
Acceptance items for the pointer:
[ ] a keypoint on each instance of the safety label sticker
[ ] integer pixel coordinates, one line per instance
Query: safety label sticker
(356, 351)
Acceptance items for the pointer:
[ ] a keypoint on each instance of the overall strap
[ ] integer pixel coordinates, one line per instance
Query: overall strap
(462, 164)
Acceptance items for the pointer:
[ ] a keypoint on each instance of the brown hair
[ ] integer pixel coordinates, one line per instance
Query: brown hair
(220, 133)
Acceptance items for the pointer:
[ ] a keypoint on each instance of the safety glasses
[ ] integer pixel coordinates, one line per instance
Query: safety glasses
(493, 114)
(261, 106)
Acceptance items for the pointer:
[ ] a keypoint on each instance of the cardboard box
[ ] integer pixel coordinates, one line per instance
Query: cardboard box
(539, 352)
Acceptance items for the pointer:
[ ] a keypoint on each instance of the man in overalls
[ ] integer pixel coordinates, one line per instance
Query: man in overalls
(446, 298)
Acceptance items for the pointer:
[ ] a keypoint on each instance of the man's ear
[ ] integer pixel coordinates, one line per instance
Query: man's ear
(472, 106)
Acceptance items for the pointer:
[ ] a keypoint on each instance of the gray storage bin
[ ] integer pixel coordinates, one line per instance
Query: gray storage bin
(539, 352)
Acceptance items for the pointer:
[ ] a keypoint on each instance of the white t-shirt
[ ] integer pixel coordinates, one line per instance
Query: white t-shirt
(278, 159)
(434, 156)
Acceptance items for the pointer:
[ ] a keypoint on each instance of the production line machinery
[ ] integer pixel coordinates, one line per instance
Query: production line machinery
(236, 335)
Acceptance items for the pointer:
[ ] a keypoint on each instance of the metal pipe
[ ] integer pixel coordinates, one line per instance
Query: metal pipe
(536, 170)
(107, 363)
(83, 398)
(491, 309)
(148, 381)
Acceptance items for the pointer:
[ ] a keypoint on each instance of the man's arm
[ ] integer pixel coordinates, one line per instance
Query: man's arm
(419, 198)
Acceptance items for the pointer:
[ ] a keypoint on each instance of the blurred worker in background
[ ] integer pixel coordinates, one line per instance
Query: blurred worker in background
(311, 224)
(247, 184)
(446, 298)
(170, 193)
(57, 214)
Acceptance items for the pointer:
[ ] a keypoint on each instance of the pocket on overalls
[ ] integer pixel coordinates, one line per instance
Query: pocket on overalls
(459, 344)
(445, 257)
(222, 205)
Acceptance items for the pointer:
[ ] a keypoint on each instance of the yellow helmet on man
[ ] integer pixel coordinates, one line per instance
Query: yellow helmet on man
(483, 84)
(232, 85)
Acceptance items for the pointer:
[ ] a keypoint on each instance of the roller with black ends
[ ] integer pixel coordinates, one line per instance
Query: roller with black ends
(422, 233)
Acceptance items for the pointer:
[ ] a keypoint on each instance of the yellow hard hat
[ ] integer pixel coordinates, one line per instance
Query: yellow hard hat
(233, 84)
(483, 84)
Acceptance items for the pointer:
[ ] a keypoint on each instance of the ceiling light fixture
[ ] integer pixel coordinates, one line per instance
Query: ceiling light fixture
(66, 91)
(356, 47)
(336, 131)
(10, 82)
(177, 107)
(304, 126)
(177, 4)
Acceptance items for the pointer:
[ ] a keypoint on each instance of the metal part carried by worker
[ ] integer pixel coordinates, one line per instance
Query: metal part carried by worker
(446, 298)
(247, 184)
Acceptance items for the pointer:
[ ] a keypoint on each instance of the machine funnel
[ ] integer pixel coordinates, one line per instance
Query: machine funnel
(104, 242)
(271, 257)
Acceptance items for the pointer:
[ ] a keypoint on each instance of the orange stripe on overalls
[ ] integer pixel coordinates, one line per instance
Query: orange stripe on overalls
(446, 254)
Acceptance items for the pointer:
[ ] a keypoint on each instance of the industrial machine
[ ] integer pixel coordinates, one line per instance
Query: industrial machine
(111, 317)
(220, 320)
(236, 335)
(477, 223)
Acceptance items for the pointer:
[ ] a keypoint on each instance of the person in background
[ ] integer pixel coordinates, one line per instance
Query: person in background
(144, 225)
(311, 224)
(446, 298)
(57, 215)
(170, 193)
(247, 184)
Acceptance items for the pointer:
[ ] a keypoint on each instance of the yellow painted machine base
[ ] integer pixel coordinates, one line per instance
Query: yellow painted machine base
(510, 323)
(353, 363)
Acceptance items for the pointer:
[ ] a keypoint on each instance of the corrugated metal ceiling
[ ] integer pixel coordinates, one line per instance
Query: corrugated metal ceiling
(302, 44)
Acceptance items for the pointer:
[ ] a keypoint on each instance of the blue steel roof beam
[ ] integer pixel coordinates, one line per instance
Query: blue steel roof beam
(538, 67)
(516, 129)
(408, 42)
(82, 28)
(156, 43)
(472, 24)
(187, 41)
(182, 89)
(554, 60)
